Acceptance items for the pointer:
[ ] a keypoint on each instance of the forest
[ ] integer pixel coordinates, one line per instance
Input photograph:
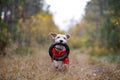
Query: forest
(25, 39)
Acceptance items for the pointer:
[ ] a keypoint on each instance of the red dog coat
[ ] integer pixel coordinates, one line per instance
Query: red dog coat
(59, 54)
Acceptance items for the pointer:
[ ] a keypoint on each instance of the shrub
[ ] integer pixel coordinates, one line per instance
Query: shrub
(4, 41)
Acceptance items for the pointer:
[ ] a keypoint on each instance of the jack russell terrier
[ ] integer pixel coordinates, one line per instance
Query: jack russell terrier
(59, 50)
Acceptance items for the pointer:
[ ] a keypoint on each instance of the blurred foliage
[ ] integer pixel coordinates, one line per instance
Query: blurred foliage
(99, 30)
(27, 25)
(35, 30)
(4, 40)
(11, 11)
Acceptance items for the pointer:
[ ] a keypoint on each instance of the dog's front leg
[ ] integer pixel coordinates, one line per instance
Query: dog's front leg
(55, 64)
(64, 67)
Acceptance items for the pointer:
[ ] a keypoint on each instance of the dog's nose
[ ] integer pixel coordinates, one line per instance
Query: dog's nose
(61, 41)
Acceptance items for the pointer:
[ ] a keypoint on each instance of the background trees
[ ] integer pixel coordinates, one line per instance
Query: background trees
(15, 23)
(101, 24)
(25, 23)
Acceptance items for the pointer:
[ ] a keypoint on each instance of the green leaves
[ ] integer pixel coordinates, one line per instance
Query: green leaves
(6, 2)
(2, 24)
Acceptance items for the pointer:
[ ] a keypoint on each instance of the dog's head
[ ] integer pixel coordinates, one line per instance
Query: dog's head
(60, 38)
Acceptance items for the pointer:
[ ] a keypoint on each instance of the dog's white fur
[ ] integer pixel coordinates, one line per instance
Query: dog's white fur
(60, 38)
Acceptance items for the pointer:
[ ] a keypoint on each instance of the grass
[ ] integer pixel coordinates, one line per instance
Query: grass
(38, 67)
(111, 57)
(103, 54)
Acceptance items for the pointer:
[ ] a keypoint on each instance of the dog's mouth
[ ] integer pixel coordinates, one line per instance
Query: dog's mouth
(59, 47)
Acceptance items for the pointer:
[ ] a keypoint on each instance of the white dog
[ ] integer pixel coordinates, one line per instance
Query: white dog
(60, 50)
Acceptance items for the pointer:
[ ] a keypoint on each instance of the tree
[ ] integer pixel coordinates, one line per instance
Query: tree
(101, 24)
(10, 13)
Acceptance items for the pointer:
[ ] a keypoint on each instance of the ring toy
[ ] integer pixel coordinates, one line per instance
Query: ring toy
(62, 57)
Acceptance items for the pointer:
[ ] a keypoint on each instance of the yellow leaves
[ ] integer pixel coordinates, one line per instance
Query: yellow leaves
(115, 20)
(39, 16)
(20, 8)
(5, 30)
(20, 21)
(32, 17)
(33, 29)
(37, 27)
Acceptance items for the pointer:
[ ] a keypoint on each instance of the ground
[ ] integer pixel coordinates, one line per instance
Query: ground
(38, 67)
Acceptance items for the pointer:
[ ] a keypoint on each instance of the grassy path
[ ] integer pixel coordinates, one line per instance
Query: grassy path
(37, 67)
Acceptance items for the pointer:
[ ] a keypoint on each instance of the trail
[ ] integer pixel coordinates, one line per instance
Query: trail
(37, 67)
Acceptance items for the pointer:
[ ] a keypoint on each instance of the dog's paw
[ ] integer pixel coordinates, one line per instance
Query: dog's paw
(64, 67)
(55, 64)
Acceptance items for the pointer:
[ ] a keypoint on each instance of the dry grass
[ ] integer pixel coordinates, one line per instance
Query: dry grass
(38, 67)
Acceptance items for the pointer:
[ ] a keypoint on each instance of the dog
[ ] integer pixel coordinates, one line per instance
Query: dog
(59, 50)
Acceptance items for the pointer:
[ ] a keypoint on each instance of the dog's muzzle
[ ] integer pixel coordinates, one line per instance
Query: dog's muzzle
(61, 41)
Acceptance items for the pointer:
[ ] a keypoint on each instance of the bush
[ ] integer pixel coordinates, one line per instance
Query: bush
(104, 53)
(4, 41)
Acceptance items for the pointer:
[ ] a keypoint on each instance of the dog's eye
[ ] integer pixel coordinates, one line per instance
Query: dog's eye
(58, 37)
(64, 38)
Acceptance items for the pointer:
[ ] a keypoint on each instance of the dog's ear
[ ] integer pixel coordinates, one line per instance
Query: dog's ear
(68, 36)
(53, 35)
